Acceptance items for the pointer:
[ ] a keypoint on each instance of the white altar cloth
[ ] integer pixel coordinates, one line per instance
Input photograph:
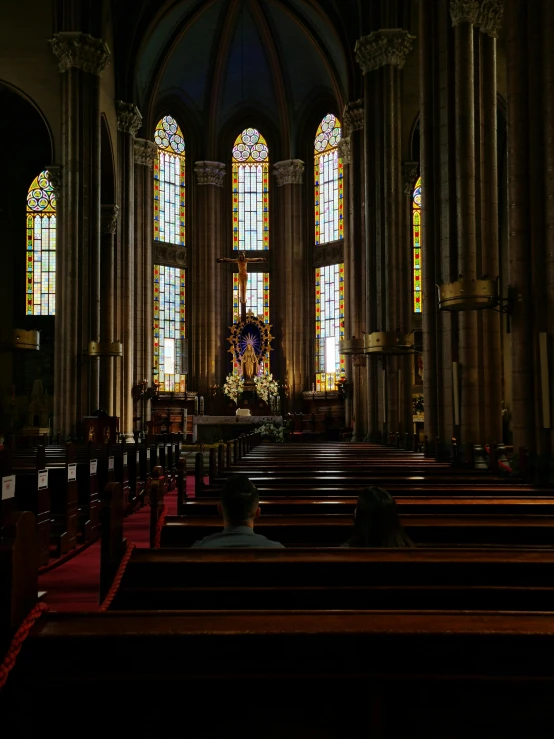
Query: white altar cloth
(232, 421)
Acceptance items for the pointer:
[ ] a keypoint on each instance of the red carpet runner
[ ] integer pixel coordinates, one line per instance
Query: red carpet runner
(74, 585)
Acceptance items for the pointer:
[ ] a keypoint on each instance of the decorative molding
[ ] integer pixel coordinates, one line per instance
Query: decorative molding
(332, 253)
(344, 150)
(170, 255)
(55, 179)
(145, 152)
(464, 11)
(410, 172)
(210, 173)
(108, 218)
(490, 15)
(289, 172)
(80, 50)
(129, 119)
(386, 46)
(353, 117)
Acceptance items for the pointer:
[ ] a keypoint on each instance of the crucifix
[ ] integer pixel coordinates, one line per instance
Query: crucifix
(242, 261)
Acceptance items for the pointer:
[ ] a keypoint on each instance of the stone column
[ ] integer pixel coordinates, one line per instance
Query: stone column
(108, 228)
(290, 279)
(208, 348)
(381, 56)
(129, 121)
(145, 155)
(354, 258)
(81, 59)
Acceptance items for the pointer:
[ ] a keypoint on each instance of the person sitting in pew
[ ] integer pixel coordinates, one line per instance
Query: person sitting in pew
(239, 506)
(376, 521)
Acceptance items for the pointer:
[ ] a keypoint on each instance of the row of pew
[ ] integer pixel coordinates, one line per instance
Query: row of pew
(442, 640)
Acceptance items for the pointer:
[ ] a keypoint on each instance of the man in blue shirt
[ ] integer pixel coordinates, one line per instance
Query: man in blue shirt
(239, 507)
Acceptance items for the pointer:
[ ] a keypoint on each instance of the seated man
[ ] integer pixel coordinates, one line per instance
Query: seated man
(239, 507)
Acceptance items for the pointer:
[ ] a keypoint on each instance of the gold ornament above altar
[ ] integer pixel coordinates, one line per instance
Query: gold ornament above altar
(250, 346)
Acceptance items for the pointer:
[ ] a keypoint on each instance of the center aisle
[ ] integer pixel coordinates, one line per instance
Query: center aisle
(74, 585)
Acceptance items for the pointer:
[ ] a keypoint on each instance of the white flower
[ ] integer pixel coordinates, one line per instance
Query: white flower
(233, 386)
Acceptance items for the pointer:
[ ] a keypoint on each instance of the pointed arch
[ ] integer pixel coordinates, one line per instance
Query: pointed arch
(328, 182)
(169, 183)
(41, 247)
(250, 191)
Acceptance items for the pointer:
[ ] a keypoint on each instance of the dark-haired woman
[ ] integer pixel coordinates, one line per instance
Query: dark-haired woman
(376, 521)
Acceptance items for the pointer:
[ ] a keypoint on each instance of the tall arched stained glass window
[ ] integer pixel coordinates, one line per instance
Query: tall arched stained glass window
(328, 182)
(169, 328)
(416, 237)
(41, 248)
(329, 326)
(169, 183)
(250, 191)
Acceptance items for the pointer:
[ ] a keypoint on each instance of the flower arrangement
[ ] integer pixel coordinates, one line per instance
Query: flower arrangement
(273, 432)
(266, 386)
(233, 386)
(417, 403)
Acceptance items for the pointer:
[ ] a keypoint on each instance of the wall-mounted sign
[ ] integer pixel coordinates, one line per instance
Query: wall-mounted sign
(71, 472)
(111, 464)
(138, 457)
(42, 479)
(8, 487)
(125, 459)
(93, 466)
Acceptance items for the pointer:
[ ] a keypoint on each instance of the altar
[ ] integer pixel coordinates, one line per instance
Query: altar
(211, 429)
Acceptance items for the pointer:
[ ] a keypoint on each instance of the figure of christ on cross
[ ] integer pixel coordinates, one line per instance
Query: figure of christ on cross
(242, 262)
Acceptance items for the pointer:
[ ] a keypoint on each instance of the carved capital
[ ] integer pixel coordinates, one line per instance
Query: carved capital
(80, 50)
(353, 117)
(410, 172)
(387, 46)
(344, 150)
(108, 218)
(289, 172)
(464, 11)
(55, 179)
(326, 254)
(145, 152)
(490, 15)
(210, 173)
(129, 119)
(172, 256)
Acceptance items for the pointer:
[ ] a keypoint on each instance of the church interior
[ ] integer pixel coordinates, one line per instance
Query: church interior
(306, 241)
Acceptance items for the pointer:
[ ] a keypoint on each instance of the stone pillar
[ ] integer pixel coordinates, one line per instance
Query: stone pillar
(354, 258)
(145, 155)
(108, 228)
(81, 59)
(209, 349)
(290, 279)
(381, 56)
(129, 121)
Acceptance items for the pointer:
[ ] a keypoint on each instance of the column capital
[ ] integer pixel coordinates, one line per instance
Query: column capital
(344, 150)
(386, 46)
(210, 173)
(55, 179)
(108, 218)
(353, 117)
(80, 50)
(129, 119)
(464, 11)
(410, 172)
(490, 15)
(289, 172)
(145, 152)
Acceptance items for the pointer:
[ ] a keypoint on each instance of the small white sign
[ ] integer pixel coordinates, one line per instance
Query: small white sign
(42, 479)
(180, 447)
(125, 459)
(111, 464)
(138, 457)
(71, 472)
(173, 449)
(93, 466)
(8, 487)
(148, 453)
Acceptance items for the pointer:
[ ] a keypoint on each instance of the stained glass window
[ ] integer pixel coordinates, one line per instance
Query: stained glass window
(329, 325)
(416, 226)
(250, 191)
(169, 183)
(257, 295)
(169, 328)
(328, 182)
(41, 248)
